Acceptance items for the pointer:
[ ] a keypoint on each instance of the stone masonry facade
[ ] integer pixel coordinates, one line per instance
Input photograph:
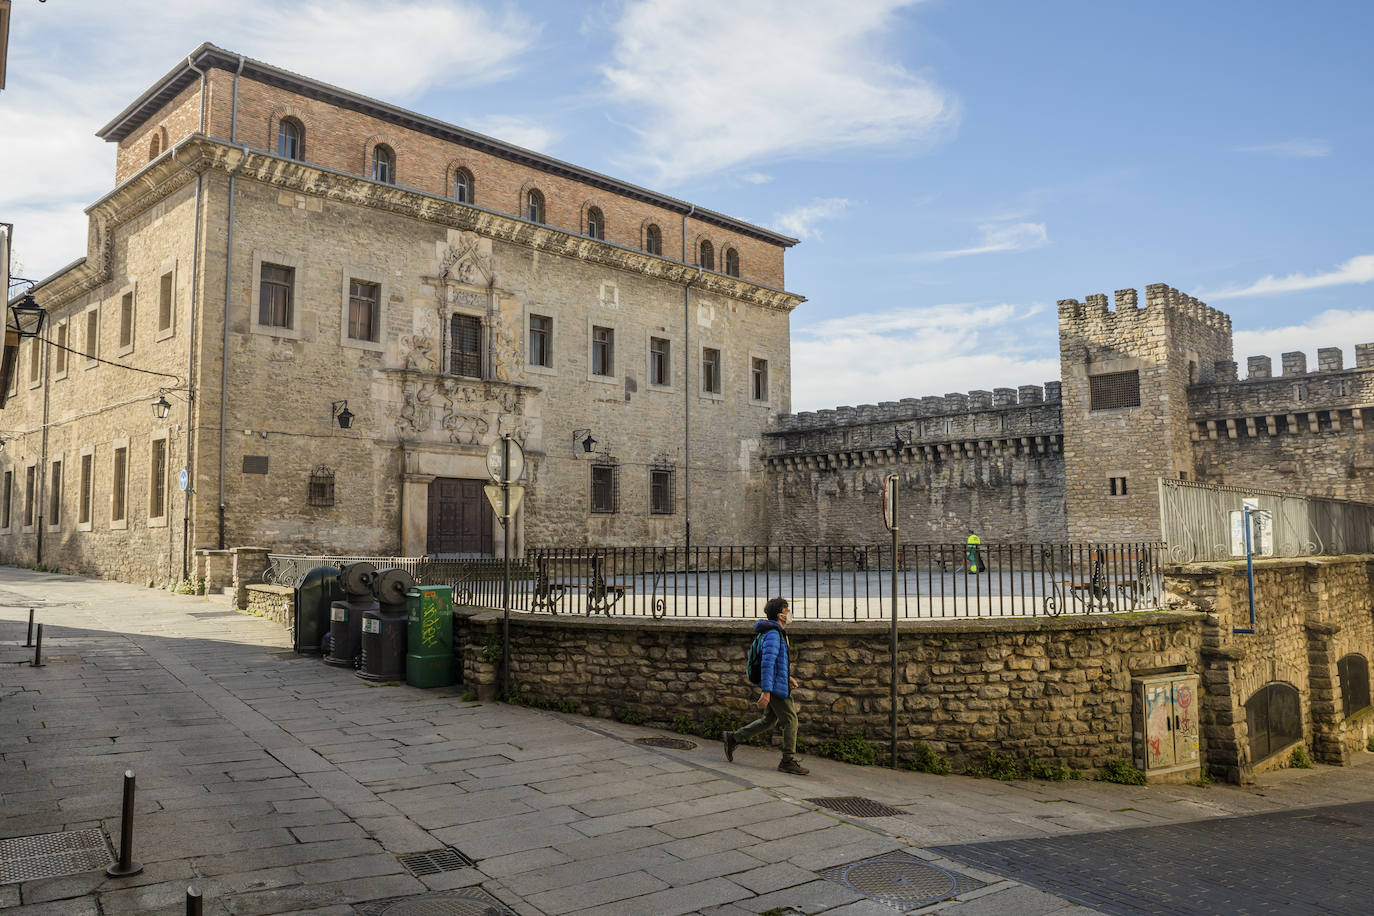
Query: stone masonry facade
(1146, 392)
(175, 286)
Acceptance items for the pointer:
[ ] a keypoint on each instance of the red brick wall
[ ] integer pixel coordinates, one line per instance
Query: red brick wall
(343, 140)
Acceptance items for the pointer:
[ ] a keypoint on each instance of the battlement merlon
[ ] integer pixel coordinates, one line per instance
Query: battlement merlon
(1159, 297)
(907, 409)
(1294, 364)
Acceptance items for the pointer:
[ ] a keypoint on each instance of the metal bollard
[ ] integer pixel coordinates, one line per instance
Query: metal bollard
(193, 902)
(126, 865)
(28, 643)
(38, 650)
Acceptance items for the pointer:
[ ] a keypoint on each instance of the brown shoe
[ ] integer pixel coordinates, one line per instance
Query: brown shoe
(790, 765)
(730, 744)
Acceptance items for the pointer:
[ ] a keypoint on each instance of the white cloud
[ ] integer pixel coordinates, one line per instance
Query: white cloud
(1292, 149)
(1358, 269)
(800, 222)
(1004, 237)
(76, 65)
(520, 131)
(717, 83)
(910, 352)
(1332, 328)
(755, 177)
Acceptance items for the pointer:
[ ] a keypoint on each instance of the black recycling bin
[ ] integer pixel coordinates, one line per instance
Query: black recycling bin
(318, 590)
(346, 616)
(384, 628)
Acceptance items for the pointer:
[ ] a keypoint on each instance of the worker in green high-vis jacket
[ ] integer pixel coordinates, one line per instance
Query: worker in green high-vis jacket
(972, 556)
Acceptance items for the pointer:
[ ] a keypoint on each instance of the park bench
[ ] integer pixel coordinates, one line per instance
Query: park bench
(1123, 573)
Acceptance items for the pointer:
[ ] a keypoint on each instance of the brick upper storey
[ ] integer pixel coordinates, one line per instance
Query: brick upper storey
(245, 101)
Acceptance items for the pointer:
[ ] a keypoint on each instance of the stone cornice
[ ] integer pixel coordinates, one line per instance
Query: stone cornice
(200, 154)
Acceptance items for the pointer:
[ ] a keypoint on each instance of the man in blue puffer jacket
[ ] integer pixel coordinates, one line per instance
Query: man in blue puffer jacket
(777, 684)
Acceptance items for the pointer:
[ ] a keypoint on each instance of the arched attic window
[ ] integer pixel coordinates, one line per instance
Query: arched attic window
(732, 262)
(707, 256)
(383, 164)
(596, 223)
(534, 206)
(462, 186)
(290, 139)
(653, 240)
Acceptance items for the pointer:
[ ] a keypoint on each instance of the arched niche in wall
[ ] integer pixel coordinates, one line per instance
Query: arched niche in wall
(1274, 716)
(1353, 671)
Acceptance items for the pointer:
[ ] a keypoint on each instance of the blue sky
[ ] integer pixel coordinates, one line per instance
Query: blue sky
(952, 168)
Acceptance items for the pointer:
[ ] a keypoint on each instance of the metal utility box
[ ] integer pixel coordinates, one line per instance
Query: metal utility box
(317, 592)
(1165, 714)
(429, 662)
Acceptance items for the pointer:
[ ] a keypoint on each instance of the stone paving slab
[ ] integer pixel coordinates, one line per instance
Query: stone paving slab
(278, 784)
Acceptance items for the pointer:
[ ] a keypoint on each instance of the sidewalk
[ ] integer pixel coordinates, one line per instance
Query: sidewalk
(274, 783)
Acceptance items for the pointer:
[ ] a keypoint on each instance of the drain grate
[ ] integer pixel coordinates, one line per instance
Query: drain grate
(51, 855)
(435, 861)
(900, 879)
(680, 744)
(470, 902)
(856, 806)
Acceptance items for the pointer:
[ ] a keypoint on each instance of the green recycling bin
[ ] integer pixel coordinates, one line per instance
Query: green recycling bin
(429, 657)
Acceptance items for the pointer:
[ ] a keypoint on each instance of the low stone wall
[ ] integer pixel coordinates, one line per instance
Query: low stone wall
(275, 602)
(1043, 688)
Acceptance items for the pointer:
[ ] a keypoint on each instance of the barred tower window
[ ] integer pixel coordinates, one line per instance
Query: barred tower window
(321, 487)
(1114, 389)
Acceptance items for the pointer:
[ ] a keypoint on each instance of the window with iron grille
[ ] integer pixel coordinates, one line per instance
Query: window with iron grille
(321, 487)
(157, 483)
(659, 365)
(1353, 671)
(541, 339)
(710, 370)
(662, 491)
(362, 310)
(1114, 389)
(83, 511)
(605, 488)
(603, 351)
(274, 296)
(465, 346)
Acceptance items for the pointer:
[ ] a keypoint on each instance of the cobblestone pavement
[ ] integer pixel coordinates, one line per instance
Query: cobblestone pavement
(1313, 860)
(275, 784)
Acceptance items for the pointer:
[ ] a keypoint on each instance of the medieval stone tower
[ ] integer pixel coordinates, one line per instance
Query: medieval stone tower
(1126, 373)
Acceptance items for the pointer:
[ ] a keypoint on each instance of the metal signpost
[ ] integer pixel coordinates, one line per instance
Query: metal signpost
(890, 520)
(1248, 524)
(505, 464)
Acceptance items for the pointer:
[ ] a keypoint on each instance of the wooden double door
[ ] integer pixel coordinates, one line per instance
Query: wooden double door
(460, 518)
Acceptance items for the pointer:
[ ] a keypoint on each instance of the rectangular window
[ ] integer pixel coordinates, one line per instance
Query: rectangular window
(274, 296)
(710, 370)
(92, 334)
(662, 493)
(1117, 485)
(541, 341)
(59, 366)
(157, 482)
(7, 506)
(465, 346)
(126, 321)
(34, 354)
(84, 507)
(362, 310)
(603, 351)
(605, 488)
(1114, 389)
(30, 479)
(121, 476)
(659, 365)
(55, 495)
(164, 302)
(759, 389)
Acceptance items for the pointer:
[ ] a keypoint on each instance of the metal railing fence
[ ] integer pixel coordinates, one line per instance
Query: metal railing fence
(1195, 521)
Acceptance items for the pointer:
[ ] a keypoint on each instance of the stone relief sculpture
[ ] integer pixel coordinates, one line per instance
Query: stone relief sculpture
(417, 352)
(464, 429)
(465, 263)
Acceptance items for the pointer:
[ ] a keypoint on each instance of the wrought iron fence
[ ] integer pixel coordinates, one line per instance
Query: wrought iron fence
(831, 582)
(844, 582)
(1195, 519)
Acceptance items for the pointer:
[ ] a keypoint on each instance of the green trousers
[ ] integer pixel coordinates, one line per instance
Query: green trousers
(782, 712)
